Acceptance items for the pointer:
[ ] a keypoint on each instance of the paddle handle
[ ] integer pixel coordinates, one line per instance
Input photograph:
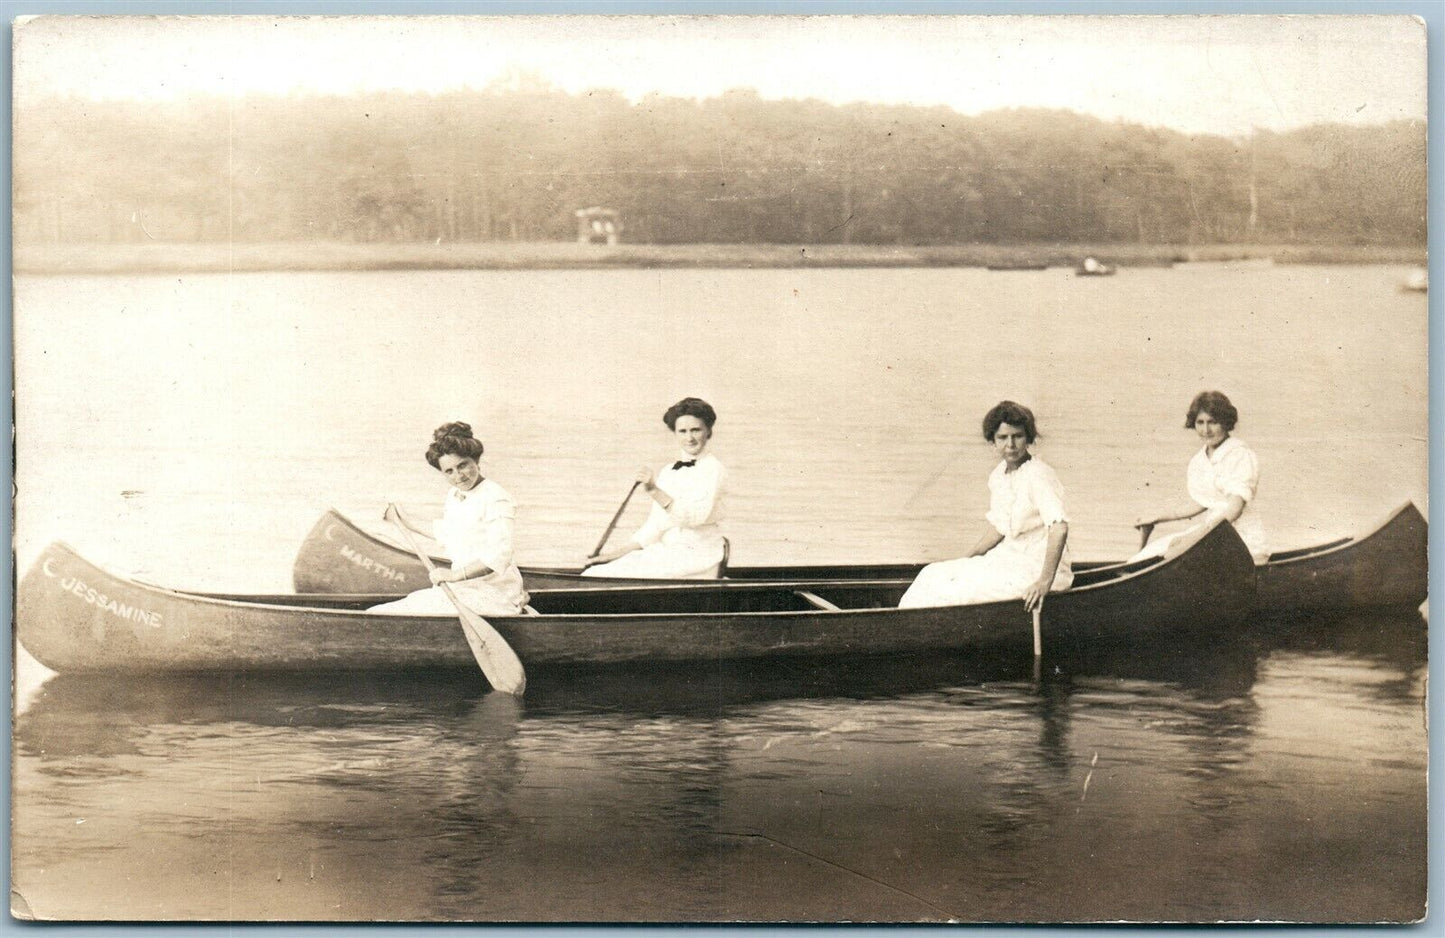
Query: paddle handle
(393, 514)
(616, 517)
(1038, 631)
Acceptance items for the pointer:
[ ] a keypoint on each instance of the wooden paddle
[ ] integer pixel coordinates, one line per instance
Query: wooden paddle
(1038, 630)
(612, 525)
(500, 664)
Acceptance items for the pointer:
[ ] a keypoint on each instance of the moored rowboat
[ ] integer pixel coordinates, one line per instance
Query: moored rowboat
(74, 616)
(1385, 568)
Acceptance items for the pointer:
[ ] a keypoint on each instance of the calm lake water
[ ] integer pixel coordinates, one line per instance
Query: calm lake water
(190, 429)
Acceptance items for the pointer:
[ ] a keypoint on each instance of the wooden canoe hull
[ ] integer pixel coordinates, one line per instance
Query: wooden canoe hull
(1385, 568)
(74, 616)
(1388, 567)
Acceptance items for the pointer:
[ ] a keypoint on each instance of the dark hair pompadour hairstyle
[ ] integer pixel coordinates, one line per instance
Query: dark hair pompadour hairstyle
(453, 439)
(690, 407)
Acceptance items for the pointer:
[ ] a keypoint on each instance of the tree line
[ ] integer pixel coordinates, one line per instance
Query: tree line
(515, 164)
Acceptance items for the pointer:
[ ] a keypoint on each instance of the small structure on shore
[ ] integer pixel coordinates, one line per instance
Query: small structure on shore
(1418, 281)
(1092, 268)
(598, 225)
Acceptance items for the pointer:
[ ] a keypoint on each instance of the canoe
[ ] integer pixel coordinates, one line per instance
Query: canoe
(1384, 568)
(74, 616)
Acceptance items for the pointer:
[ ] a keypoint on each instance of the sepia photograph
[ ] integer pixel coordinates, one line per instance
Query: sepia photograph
(724, 469)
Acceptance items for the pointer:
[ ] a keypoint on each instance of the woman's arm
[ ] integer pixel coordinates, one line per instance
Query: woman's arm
(695, 501)
(488, 548)
(987, 541)
(1182, 514)
(649, 485)
(1232, 509)
(1053, 553)
(465, 572)
(594, 559)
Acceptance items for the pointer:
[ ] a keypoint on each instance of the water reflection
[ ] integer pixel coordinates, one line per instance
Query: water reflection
(908, 789)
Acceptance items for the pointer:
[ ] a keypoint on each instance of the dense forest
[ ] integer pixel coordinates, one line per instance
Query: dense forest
(515, 164)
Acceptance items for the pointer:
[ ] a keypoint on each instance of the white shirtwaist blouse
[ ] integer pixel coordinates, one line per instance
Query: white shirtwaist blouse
(1022, 506)
(1232, 469)
(475, 526)
(681, 541)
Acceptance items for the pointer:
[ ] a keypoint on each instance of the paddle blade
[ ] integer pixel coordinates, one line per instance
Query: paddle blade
(499, 663)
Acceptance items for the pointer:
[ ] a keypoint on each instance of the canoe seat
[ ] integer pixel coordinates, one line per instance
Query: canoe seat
(816, 601)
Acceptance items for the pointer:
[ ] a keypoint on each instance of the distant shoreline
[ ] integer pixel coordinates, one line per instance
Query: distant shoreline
(330, 256)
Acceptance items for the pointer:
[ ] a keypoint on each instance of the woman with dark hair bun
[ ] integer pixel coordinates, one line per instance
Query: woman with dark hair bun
(1024, 552)
(476, 532)
(1222, 479)
(680, 539)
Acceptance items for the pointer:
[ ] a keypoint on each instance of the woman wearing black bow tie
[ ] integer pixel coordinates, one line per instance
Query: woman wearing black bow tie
(680, 539)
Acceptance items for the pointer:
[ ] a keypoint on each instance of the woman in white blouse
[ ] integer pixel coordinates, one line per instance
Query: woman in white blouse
(1024, 552)
(680, 539)
(475, 530)
(1222, 480)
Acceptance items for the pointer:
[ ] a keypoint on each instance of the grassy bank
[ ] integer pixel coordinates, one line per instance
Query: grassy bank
(160, 257)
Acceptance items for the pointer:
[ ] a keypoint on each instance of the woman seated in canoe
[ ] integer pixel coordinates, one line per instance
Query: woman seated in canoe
(1023, 554)
(475, 530)
(1222, 479)
(680, 539)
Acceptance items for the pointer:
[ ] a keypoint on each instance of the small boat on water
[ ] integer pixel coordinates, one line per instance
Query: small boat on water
(72, 616)
(1385, 568)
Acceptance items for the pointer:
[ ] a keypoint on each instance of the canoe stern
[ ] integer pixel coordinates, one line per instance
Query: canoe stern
(339, 557)
(1387, 568)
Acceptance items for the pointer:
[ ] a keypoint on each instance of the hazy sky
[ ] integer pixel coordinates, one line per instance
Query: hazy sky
(1212, 74)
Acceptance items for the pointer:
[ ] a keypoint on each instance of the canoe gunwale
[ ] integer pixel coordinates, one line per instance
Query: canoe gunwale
(334, 603)
(1385, 567)
(1399, 517)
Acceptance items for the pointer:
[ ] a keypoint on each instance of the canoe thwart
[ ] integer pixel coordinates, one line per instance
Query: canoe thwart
(813, 599)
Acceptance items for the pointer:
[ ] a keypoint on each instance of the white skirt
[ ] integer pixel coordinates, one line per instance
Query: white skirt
(685, 556)
(1249, 530)
(482, 598)
(1005, 572)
